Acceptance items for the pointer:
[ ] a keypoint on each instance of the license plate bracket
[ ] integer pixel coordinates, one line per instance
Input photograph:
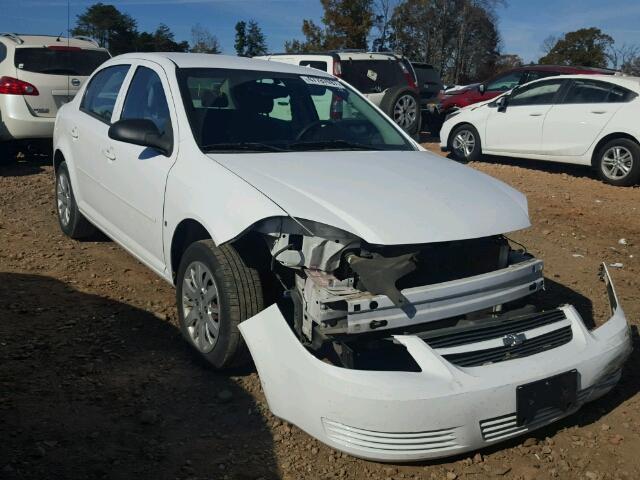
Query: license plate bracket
(558, 392)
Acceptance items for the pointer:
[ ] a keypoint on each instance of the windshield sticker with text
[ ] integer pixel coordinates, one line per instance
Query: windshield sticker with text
(324, 82)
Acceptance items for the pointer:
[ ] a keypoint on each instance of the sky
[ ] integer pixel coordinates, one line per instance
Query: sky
(523, 24)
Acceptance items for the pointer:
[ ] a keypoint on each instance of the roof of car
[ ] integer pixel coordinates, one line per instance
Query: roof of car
(565, 69)
(206, 60)
(21, 40)
(627, 81)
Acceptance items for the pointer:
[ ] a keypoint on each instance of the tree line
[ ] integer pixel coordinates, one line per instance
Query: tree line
(460, 38)
(119, 32)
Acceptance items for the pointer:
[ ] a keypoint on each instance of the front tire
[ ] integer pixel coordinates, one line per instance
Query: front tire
(72, 223)
(465, 144)
(618, 162)
(216, 290)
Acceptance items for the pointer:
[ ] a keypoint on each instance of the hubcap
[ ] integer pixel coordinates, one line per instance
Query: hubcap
(617, 163)
(63, 195)
(405, 111)
(464, 143)
(200, 308)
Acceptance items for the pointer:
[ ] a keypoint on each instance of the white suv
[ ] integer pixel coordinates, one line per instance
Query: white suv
(387, 79)
(38, 74)
(386, 313)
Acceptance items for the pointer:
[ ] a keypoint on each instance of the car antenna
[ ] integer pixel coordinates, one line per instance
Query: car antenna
(58, 39)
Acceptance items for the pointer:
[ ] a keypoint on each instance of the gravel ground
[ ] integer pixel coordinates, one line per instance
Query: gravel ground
(96, 382)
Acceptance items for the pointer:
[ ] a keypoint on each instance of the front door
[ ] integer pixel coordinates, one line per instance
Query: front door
(136, 176)
(517, 129)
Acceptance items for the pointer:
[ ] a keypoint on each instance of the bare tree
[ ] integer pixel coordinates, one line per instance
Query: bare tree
(548, 44)
(382, 23)
(203, 41)
(620, 56)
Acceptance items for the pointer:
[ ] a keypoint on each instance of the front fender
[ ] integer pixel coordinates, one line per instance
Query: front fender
(224, 204)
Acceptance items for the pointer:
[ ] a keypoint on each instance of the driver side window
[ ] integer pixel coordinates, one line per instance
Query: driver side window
(146, 100)
(541, 93)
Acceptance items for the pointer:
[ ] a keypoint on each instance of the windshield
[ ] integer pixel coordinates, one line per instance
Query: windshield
(240, 110)
(60, 61)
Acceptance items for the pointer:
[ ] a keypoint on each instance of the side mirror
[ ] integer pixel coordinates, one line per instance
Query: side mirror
(501, 103)
(143, 132)
(482, 88)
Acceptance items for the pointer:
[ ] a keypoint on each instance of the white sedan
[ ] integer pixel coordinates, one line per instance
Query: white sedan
(386, 312)
(580, 119)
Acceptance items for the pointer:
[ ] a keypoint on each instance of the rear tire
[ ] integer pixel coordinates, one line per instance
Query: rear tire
(403, 107)
(618, 162)
(216, 290)
(72, 223)
(465, 143)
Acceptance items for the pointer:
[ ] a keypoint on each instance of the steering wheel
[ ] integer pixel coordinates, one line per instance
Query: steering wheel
(313, 126)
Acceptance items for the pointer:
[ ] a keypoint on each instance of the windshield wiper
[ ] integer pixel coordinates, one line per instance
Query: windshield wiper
(330, 144)
(244, 146)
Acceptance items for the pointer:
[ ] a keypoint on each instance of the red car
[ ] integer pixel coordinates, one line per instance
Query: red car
(479, 92)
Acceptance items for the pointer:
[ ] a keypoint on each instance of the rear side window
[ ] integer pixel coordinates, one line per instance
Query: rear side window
(373, 76)
(59, 60)
(314, 64)
(102, 92)
(3, 52)
(146, 99)
(592, 91)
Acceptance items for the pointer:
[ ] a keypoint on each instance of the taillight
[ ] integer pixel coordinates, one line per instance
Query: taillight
(337, 68)
(13, 86)
(408, 77)
(337, 106)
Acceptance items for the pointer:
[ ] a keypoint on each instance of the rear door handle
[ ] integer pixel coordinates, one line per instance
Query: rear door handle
(74, 133)
(108, 152)
(598, 112)
(535, 114)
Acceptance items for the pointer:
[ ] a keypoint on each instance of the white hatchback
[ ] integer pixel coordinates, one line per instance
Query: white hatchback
(371, 282)
(580, 119)
(39, 74)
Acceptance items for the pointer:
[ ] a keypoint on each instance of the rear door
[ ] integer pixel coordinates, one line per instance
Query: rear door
(57, 72)
(575, 122)
(518, 129)
(88, 130)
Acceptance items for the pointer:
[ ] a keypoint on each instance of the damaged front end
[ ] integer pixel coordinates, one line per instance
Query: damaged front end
(420, 351)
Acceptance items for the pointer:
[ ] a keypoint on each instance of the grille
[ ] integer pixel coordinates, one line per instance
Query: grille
(489, 332)
(409, 442)
(528, 347)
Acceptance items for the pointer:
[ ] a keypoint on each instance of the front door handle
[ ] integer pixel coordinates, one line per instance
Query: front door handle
(535, 114)
(598, 112)
(74, 133)
(108, 152)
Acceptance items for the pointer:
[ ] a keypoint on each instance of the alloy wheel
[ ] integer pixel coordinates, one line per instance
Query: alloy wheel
(464, 143)
(405, 111)
(63, 195)
(200, 307)
(617, 163)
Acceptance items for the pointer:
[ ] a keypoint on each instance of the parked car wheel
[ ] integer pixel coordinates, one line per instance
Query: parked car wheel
(216, 290)
(465, 143)
(402, 105)
(619, 162)
(72, 223)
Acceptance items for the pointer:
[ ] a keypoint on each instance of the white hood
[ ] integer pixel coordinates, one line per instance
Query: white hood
(385, 198)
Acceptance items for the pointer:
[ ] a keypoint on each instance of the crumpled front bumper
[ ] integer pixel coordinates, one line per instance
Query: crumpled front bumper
(442, 410)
